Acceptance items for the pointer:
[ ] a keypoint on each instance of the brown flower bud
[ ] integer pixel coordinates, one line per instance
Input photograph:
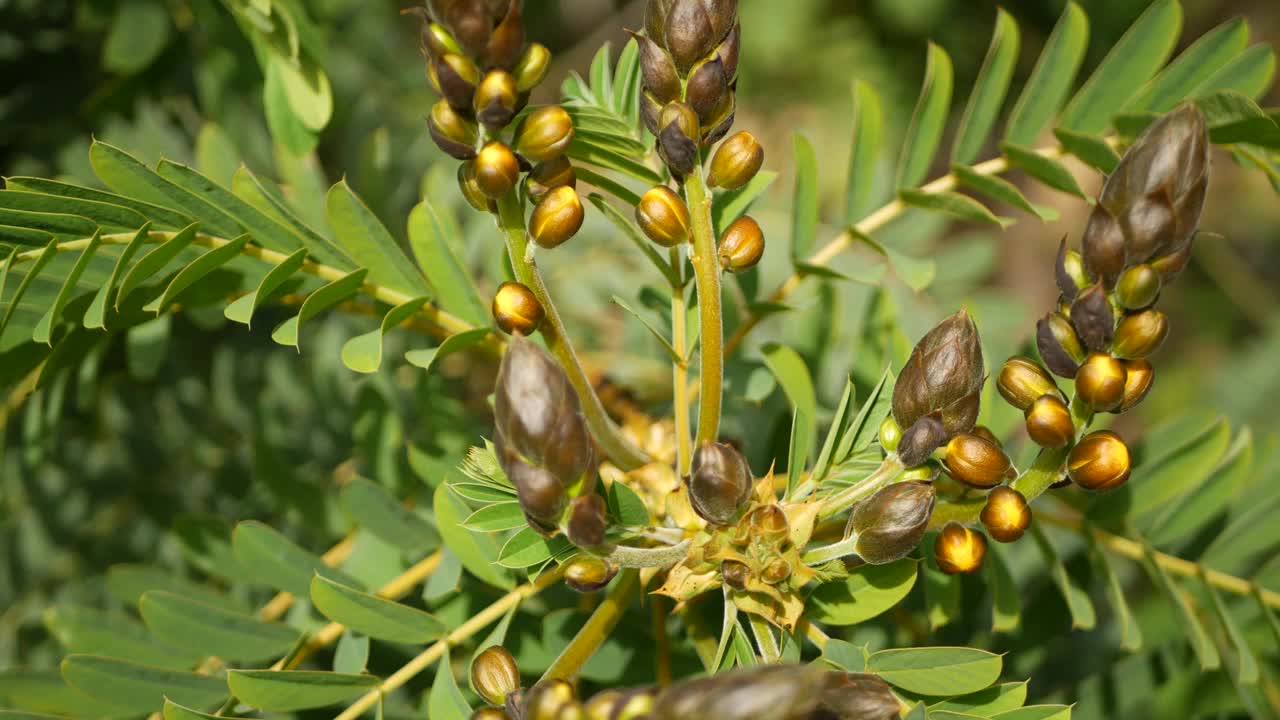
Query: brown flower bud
(544, 134)
(890, 523)
(940, 386)
(650, 111)
(693, 28)
(959, 549)
(507, 39)
(1138, 287)
(455, 77)
(1023, 381)
(469, 22)
(1100, 382)
(1140, 334)
(531, 68)
(729, 50)
(494, 674)
(975, 462)
(1138, 377)
(496, 99)
(764, 692)
(588, 521)
(858, 696)
(557, 217)
(453, 133)
(1059, 347)
(719, 482)
(436, 40)
(678, 137)
(658, 70)
(549, 175)
(497, 169)
(706, 88)
(741, 245)
(1006, 514)
(516, 309)
(663, 216)
(985, 433)
(735, 574)
(588, 573)
(1093, 318)
(470, 188)
(551, 700)
(1049, 422)
(1100, 461)
(542, 495)
(736, 162)
(722, 120)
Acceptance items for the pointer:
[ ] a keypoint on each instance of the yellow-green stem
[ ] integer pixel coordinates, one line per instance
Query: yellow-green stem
(843, 500)
(706, 274)
(616, 447)
(680, 370)
(597, 628)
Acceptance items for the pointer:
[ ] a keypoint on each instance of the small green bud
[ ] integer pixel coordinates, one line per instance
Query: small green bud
(890, 433)
(959, 550)
(1138, 287)
(531, 68)
(890, 523)
(494, 674)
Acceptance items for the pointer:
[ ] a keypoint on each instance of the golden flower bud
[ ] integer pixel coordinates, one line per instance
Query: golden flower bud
(736, 161)
(1140, 334)
(497, 169)
(1100, 382)
(549, 175)
(1069, 271)
(985, 433)
(663, 216)
(741, 245)
(588, 573)
(890, 433)
(489, 713)
(719, 482)
(1137, 382)
(1100, 461)
(1049, 422)
(545, 133)
(455, 77)
(735, 574)
(437, 41)
(1138, 287)
(975, 461)
(1006, 514)
(551, 700)
(959, 549)
(470, 188)
(531, 68)
(516, 309)
(496, 99)
(495, 675)
(453, 133)
(1023, 381)
(557, 217)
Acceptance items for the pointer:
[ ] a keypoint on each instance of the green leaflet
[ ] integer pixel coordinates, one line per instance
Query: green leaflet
(1130, 631)
(44, 329)
(496, 517)
(269, 558)
(1051, 79)
(1203, 644)
(1247, 672)
(38, 265)
(928, 121)
(140, 30)
(82, 629)
(527, 548)
(868, 128)
(265, 231)
(445, 700)
(107, 215)
(284, 691)
(997, 187)
(655, 332)
(607, 184)
(430, 240)
(477, 552)
(351, 654)
(373, 508)
(139, 688)
(1083, 616)
(823, 463)
(174, 711)
(127, 583)
(46, 691)
(153, 262)
(370, 245)
(373, 616)
(626, 507)
(917, 273)
(452, 344)
(124, 174)
(217, 156)
(1249, 73)
(65, 226)
(1192, 67)
(954, 204)
(942, 594)
(1043, 168)
(1183, 469)
(804, 200)
(989, 90)
(793, 375)
(865, 426)
(1201, 503)
(363, 353)
(267, 199)
(585, 150)
(196, 271)
(986, 703)
(1036, 712)
(944, 671)
(1092, 149)
(163, 217)
(183, 622)
(317, 302)
(868, 591)
(24, 236)
(242, 309)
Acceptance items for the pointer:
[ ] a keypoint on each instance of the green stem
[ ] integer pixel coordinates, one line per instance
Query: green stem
(596, 630)
(845, 499)
(706, 272)
(680, 371)
(616, 447)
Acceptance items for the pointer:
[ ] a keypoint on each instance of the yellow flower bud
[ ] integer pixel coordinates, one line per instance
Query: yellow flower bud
(494, 674)
(470, 188)
(453, 133)
(1140, 334)
(741, 245)
(1137, 382)
(959, 549)
(497, 170)
(1006, 514)
(1100, 461)
(557, 217)
(663, 216)
(976, 461)
(1100, 382)
(496, 99)
(549, 175)
(736, 161)
(890, 434)
(1023, 381)
(1049, 422)
(588, 573)
(516, 309)
(1138, 287)
(545, 134)
(532, 67)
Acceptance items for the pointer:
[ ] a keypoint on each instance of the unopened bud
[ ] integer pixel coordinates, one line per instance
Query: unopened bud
(1093, 318)
(497, 169)
(549, 175)
(1006, 514)
(455, 77)
(489, 713)
(1049, 422)
(1138, 377)
(588, 521)
(985, 433)
(557, 217)
(453, 133)
(975, 461)
(1059, 346)
(890, 434)
(437, 41)
(1069, 271)
(588, 573)
(470, 188)
(507, 39)
(1023, 381)
(494, 674)
(959, 549)
(858, 696)
(1140, 334)
(544, 134)
(741, 245)
(678, 136)
(736, 162)
(663, 216)
(496, 99)
(516, 309)
(634, 704)
(532, 67)
(735, 574)
(890, 523)
(764, 692)
(658, 70)
(937, 394)
(719, 482)
(1100, 382)
(1138, 287)
(1100, 461)
(551, 700)
(706, 89)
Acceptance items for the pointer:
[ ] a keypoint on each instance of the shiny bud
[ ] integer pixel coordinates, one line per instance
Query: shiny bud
(455, 77)
(1049, 422)
(494, 674)
(634, 704)
(678, 135)
(706, 89)
(531, 68)
(890, 523)
(497, 170)
(959, 549)
(507, 39)
(588, 574)
(975, 461)
(557, 217)
(544, 134)
(735, 574)
(489, 713)
(549, 175)
(1023, 381)
(1138, 287)
(763, 692)
(1138, 377)
(927, 472)
(1100, 382)
(1069, 271)
(663, 216)
(741, 245)
(938, 392)
(1006, 514)
(453, 133)
(736, 161)
(437, 41)
(516, 309)
(470, 188)
(1059, 346)
(730, 50)
(550, 700)
(1140, 334)
(858, 696)
(719, 482)
(1093, 318)
(496, 99)
(588, 521)
(985, 433)
(890, 434)
(658, 70)
(1100, 461)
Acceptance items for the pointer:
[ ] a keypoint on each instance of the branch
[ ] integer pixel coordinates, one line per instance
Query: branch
(706, 274)
(596, 630)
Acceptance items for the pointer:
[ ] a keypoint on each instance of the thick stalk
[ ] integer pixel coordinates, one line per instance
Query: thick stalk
(865, 488)
(680, 370)
(706, 275)
(597, 628)
(616, 447)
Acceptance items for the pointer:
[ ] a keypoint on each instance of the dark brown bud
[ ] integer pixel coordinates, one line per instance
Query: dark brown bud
(469, 22)
(1100, 461)
(470, 188)
(549, 175)
(1104, 251)
(741, 245)
(551, 700)
(719, 482)
(658, 70)
(541, 494)
(1023, 381)
(557, 217)
(655, 20)
(722, 122)
(1171, 265)
(663, 216)
(959, 549)
(544, 134)
(693, 28)
(1006, 514)
(1059, 347)
(890, 523)
(729, 50)
(1140, 334)
(1100, 382)
(507, 39)
(587, 573)
(650, 111)
(858, 696)
(975, 461)
(456, 78)
(1093, 318)
(764, 692)
(1049, 422)
(496, 99)
(1138, 377)
(588, 521)
(678, 137)
(453, 133)
(706, 89)
(736, 162)
(516, 309)
(735, 574)
(921, 439)
(494, 674)
(531, 68)
(1138, 287)
(1069, 271)
(497, 169)
(942, 379)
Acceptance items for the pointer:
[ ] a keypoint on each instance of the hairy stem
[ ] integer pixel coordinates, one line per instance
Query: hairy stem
(706, 273)
(617, 447)
(845, 499)
(680, 371)
(597, 628)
